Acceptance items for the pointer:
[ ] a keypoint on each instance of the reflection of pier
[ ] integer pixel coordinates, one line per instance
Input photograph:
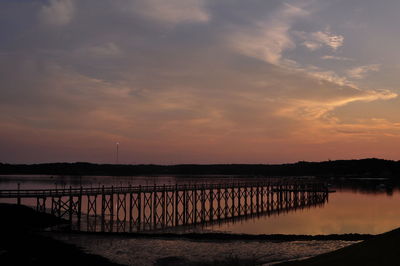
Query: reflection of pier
(142, 208)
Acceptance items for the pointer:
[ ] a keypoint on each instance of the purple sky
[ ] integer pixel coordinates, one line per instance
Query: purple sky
(198, 81)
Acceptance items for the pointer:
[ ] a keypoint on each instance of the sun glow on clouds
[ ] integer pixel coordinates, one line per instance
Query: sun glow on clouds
(192, 81)
(309, 109)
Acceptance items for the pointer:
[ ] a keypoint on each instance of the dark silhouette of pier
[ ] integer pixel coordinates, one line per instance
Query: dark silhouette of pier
(149, 208)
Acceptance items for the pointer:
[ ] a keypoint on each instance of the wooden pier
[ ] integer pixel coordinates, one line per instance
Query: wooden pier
(143, 208)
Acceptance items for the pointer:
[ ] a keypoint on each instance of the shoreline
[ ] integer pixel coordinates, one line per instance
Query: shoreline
(368, 167)
(223, 236)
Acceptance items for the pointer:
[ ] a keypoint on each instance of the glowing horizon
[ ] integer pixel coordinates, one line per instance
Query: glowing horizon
(198, 81)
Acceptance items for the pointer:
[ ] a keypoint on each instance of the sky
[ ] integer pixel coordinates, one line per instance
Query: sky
(199, 81)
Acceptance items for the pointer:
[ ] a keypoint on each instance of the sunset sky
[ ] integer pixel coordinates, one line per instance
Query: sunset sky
(199, 81)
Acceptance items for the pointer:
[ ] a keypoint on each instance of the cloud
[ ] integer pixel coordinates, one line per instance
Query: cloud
(330, 76)
(316, 109)
(370, 127)
(339, 58)
(316, 40)
(266, 40)
(312, 45)
(109, 49)
(361, 71)
(57, 12)
(329, 39)
(172, 11)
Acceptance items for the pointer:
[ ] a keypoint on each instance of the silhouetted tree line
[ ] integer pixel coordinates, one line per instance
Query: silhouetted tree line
(344, 168)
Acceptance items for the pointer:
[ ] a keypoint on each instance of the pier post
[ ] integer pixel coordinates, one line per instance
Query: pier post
(232, 196)
(211, 191)
(130, 208)
(239, 193)
(176, 205)
(268, 196)
(219, 202)
(245, 199)
(280, 199)
(41, 205)
(185, 205)
(139, 207)
(80, 206)
(155, 205)
(59, 206)
(272, 198)
(203, 204)
(194, 199)
(163, 207)
(226, 197)
(262, 197)
(103, 203)
(18, 197)
(258, 198)
(251, 199)
(112, 205)
(71, 202)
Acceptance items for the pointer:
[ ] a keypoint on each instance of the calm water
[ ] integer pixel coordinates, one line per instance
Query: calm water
(358, 206)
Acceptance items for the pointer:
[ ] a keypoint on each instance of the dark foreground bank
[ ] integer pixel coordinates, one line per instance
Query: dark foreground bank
(21, 245)
(382, 250)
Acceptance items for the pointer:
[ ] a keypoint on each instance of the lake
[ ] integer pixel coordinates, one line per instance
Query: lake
(358, 205)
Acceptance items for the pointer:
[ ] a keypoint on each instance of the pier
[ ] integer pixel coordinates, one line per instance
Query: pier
(149, 208)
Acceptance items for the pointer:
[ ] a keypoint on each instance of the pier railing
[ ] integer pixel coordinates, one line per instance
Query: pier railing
(75, 191)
